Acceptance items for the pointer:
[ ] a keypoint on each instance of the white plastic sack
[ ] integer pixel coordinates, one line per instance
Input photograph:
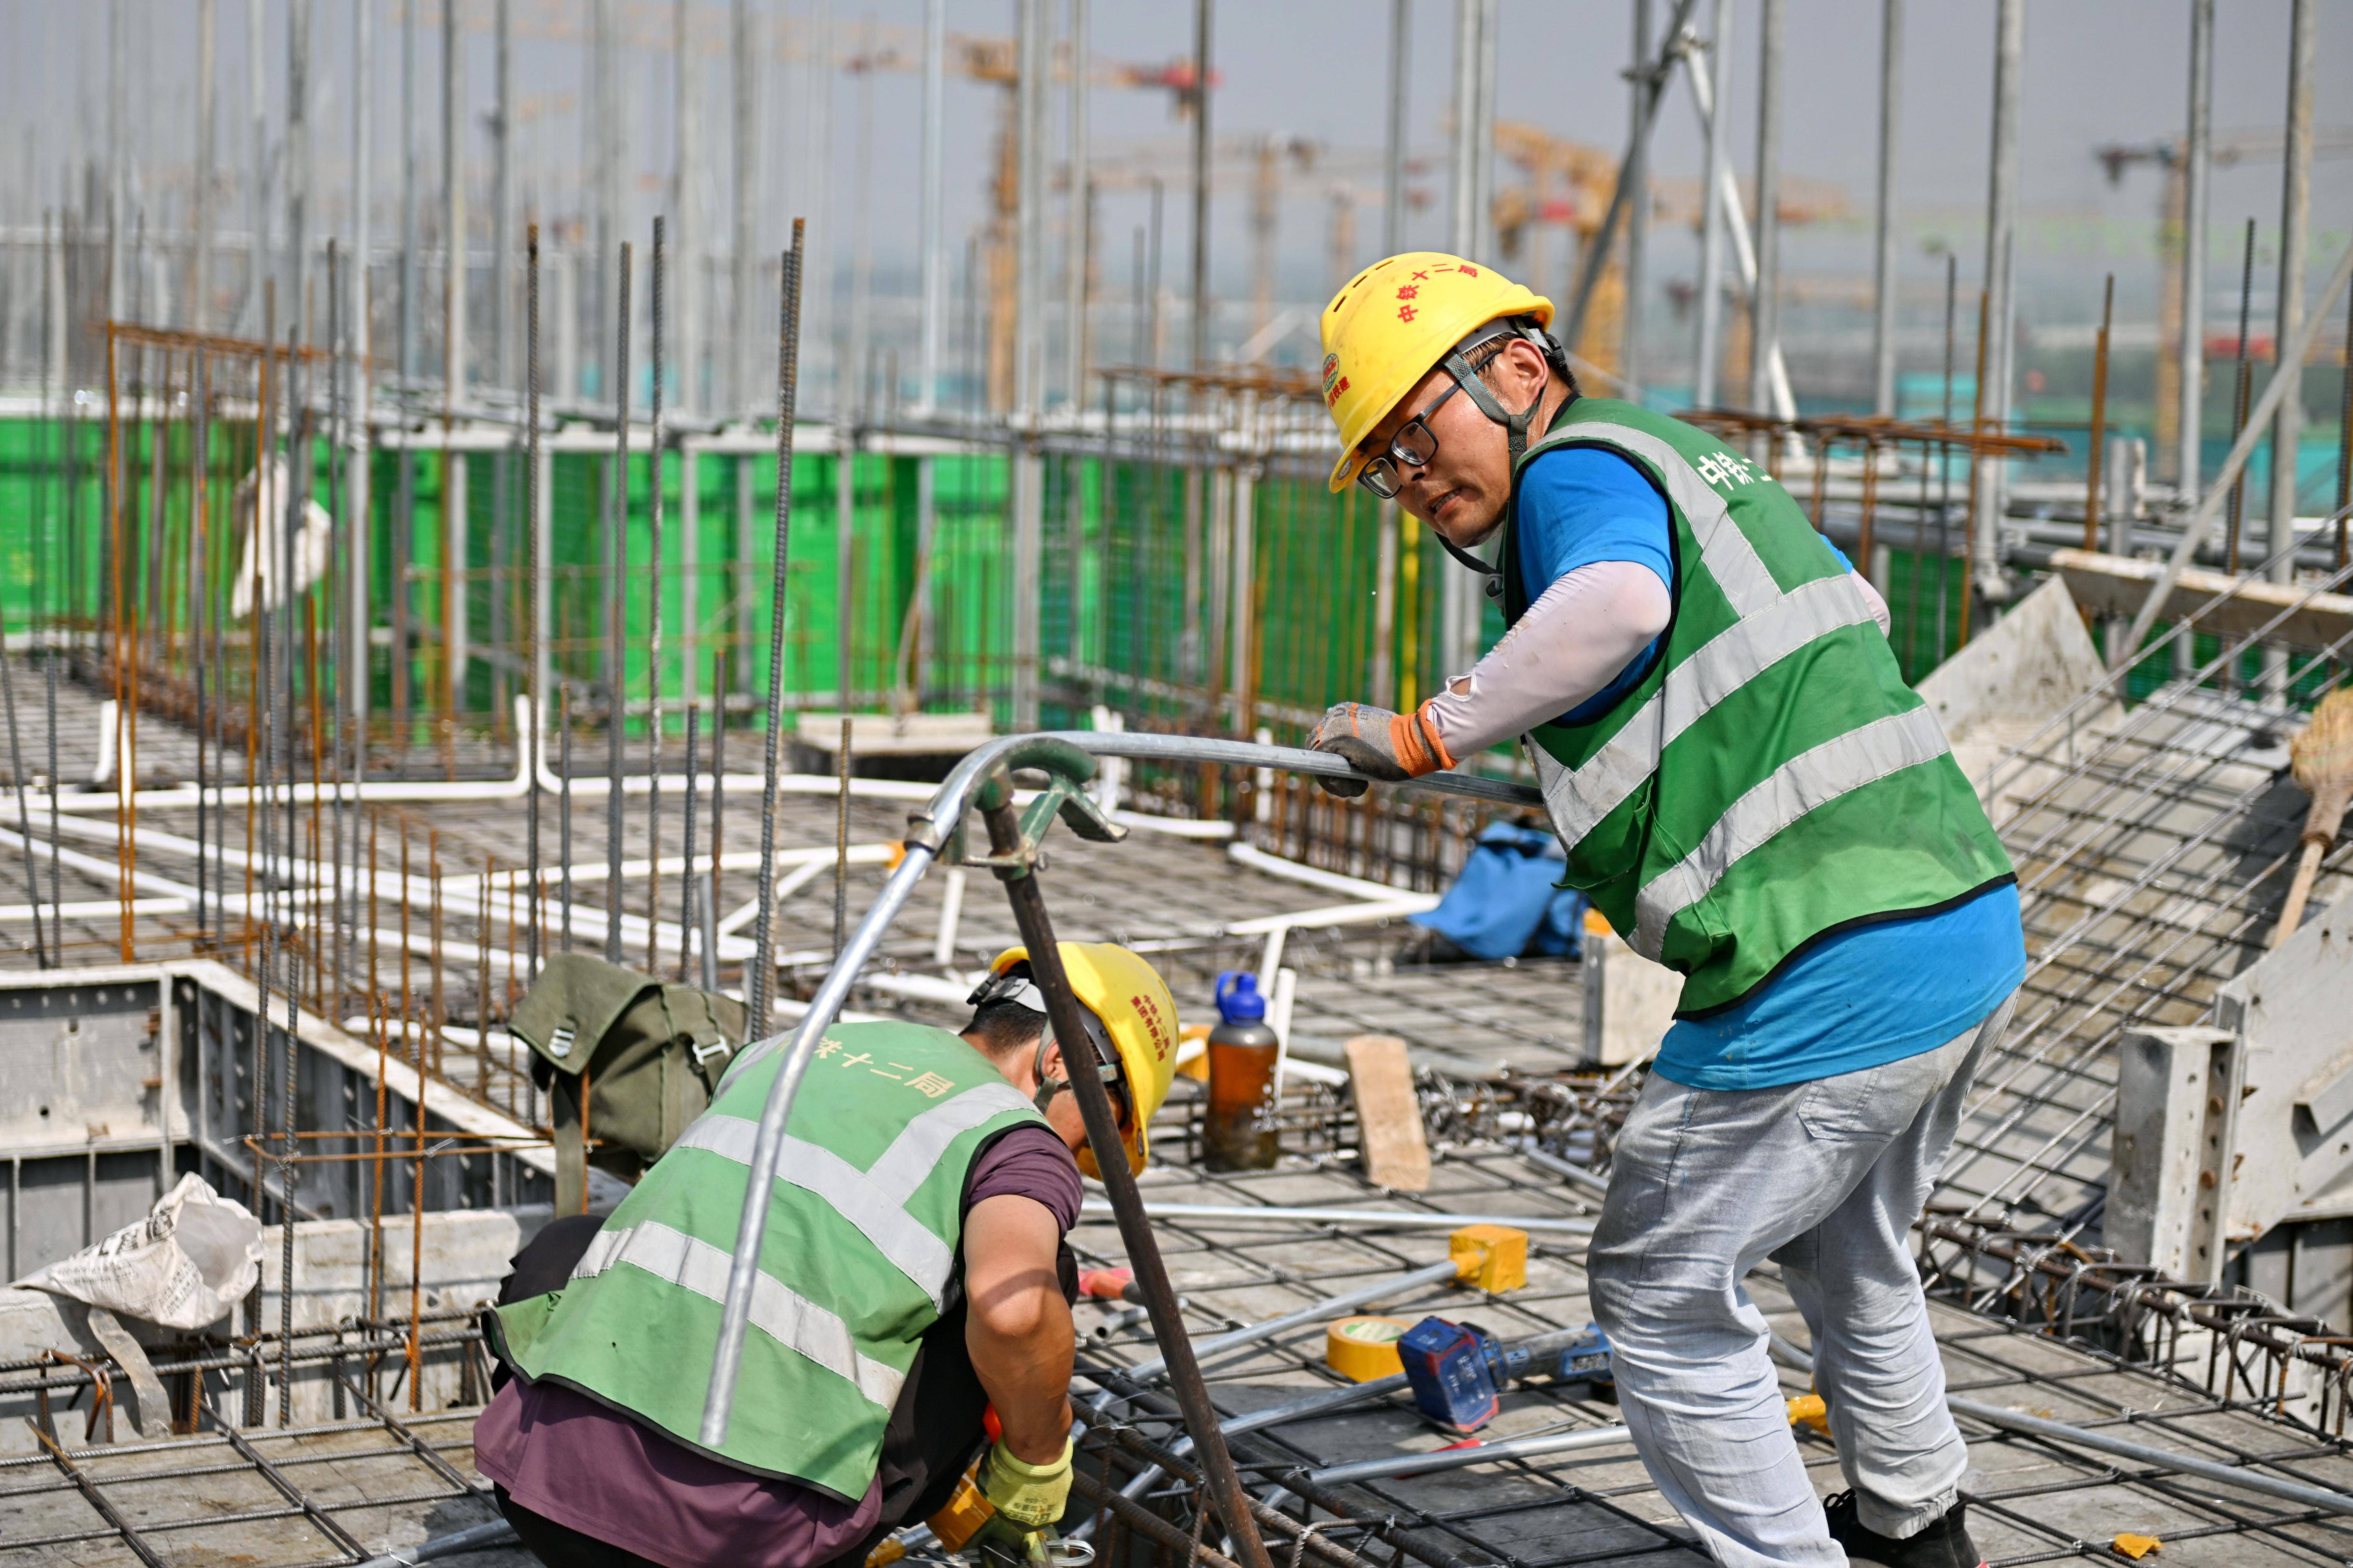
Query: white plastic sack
(193, 1257)
(261, 496)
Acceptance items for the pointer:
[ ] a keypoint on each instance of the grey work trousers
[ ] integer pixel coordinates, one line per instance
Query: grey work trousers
(1824, 1177)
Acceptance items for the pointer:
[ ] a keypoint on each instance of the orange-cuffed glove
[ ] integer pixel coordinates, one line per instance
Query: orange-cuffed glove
(1378, 743)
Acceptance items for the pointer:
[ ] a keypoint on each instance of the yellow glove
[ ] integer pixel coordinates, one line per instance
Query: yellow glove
(1031, 1495)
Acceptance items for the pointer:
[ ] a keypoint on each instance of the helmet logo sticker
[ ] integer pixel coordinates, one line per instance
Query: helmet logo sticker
(1335, 384)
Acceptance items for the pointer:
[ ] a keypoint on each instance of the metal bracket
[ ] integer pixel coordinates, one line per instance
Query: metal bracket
(1068, 773)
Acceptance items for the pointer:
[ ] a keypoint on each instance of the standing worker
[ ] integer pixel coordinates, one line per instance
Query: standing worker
(913, 1278)
(1747, 788)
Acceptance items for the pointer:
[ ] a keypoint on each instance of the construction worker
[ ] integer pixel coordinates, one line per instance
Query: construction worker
(1749, 791)
(913, 1278)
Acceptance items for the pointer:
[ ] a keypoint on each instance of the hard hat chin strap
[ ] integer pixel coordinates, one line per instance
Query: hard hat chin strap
(1516, 434)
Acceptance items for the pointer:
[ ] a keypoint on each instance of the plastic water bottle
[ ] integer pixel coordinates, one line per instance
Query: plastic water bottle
(1239, 1132)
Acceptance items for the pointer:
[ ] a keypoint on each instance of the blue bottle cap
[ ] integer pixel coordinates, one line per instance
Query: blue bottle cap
(1238, 998)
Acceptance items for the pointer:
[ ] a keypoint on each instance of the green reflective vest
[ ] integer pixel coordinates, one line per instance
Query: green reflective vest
(861, 1245)
(1770, 779)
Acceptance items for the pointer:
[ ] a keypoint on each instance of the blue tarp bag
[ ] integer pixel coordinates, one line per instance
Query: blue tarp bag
(1503, 904)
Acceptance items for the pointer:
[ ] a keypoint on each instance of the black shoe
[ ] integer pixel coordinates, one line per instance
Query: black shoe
(1944, 1543)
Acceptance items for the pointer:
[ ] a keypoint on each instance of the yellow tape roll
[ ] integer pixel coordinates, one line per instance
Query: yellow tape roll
(1362, 1348)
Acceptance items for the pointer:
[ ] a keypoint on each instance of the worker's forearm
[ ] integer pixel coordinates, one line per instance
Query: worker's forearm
(1017, 1327)
(1879, 611)
(1571, 643)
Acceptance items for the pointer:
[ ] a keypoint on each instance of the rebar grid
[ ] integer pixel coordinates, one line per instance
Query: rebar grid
(2145, 840)
(1548, 1513)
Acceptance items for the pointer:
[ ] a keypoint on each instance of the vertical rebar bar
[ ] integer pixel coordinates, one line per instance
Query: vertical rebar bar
(1074, 347)
(2197, 181)
(1882, 275)
(200, 194)
(297, 159)
(501, 125)
(1394, 145)
(1992, 474)
(1630, 367)
(2099, 431)
(534, 742)
(1765, 321)
(2242, 388)
(453, 243)
(616, 561)
(654, 623)
(563, 822)
(687, 879)
(759, 985)
(841, 843)
(931, 236)
(2295, 223)
(41, 955)
(1202, 18)
(742, 235)
(1705, 366)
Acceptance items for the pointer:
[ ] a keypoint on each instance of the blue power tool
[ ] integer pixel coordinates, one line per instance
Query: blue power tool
(1458, 1371)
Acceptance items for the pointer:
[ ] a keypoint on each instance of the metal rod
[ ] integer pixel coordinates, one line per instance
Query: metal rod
(654, 624)
(1393, 152)
(1637, 179)
(2164, 1458)
(1202, 18)
(1711, 212)
(1390, 1219)
(1473, 1452)
(759, 985)
(533, 740)
(2099, 431)
(2196, 178)
(1594, 257)
(742, 170)
(1144, 1258)
(1764, 320)
(1882, 275)
(931, 241)
(2286, 375)
(2295, 224)
(2001, 298)
(616, 562)
(1210, 1349)
(2241, 385)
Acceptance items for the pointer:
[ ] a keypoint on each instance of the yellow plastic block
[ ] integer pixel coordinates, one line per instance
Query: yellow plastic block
(1596, 922)
(2137, 1546)
(889, 1550)
(1489, 1256)
(1193, 1052)
(961, 1520)
(1362, 1348)
(1808, 1410)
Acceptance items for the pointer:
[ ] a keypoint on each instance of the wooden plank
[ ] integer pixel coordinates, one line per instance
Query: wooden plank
(1388, 1117)
(2113, 585)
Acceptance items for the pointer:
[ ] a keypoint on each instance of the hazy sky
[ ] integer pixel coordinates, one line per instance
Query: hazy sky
(2097, 71)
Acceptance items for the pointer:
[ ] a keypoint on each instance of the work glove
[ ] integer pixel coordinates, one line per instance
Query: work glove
(1025, 1495)
(1384, 745)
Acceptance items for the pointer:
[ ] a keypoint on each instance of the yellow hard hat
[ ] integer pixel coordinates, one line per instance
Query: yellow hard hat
(1139, 1016)
(1392, 322)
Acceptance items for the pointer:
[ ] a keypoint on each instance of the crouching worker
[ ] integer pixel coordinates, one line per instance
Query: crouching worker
(913, 1275)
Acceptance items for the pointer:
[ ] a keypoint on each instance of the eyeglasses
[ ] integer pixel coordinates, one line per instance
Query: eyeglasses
(1413, 445)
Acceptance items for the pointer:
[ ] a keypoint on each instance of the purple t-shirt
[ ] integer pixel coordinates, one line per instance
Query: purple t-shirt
(567, 1458)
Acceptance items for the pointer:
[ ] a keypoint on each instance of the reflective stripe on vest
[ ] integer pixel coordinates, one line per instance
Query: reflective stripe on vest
(1770, 777)
(1806, 781)
(777, 1310)
(1580, 798)
(861, 1245)
(874, 1199)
